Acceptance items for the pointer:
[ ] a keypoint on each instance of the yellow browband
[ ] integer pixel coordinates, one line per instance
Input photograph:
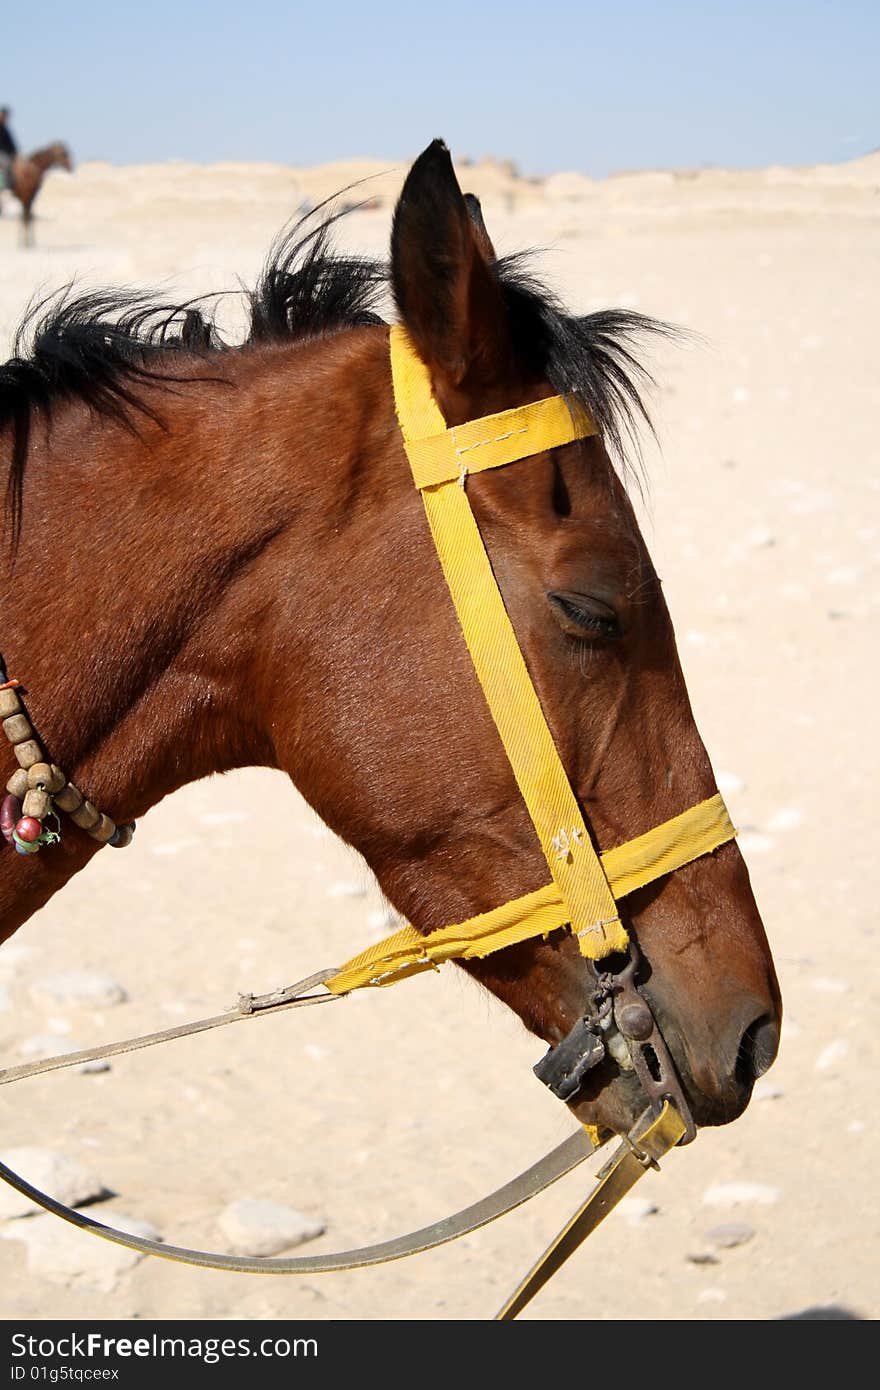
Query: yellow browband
(584, 885)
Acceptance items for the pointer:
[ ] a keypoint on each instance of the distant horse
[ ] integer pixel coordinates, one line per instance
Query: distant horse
(216, 558)
(26, 175)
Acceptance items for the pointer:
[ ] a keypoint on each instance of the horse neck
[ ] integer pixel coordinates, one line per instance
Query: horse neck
(45, 158)
(155, 566)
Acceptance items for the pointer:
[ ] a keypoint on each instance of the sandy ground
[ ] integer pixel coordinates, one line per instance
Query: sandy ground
(390, 1110)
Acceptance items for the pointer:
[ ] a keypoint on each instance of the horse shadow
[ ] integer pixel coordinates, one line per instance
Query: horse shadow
(827, 1312)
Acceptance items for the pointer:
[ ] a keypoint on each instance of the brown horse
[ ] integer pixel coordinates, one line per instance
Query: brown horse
(216, 557)
(26, 176)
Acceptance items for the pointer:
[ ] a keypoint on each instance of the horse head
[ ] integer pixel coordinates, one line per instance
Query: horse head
(61, 156)
(427, 793)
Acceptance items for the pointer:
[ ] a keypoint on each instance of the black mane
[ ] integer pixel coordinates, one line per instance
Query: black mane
(103, 347)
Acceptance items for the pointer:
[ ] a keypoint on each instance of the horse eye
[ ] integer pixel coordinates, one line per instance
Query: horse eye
(581, 615)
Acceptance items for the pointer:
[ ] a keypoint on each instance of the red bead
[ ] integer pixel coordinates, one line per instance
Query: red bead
(29, 829)
(10, 811)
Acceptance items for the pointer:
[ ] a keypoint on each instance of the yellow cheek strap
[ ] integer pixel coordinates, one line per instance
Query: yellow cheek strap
(584, 885)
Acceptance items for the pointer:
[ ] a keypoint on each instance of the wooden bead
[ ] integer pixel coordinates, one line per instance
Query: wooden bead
(85, 816)
(123, 836)
(104, 830)
(9, 703)
(18, 783)
(69, 798)
(38, 776)
(57, 779)
(17, 728)
(37, 804)
(28, 753)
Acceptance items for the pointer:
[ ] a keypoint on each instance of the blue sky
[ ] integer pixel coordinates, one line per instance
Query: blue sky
(555, 85)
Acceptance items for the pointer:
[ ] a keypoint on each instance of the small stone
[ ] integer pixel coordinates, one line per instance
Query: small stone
(51, 1045)
(637, 1209)
(254, 1226)
(53, 1173)
(832, 1054)
(64, 1254)
(11, 958)
(739, 1194)
(702, 1257)
(766, 1090)
(728, 783)
(789, 818)
(711, 1296)
(225, 817)
(347, 890)
(751, 842)
(828, 985)
(731, 1234)
(83, 988)
(385, 920)
(760, 538)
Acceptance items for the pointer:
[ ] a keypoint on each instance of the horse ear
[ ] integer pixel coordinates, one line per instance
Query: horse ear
(475, 213)
(444, 287)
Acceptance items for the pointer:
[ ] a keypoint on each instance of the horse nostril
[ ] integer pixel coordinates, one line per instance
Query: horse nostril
(758, 1048)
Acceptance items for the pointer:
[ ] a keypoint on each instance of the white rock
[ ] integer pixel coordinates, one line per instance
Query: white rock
(54, 1045)
(760, 537)
(787, 818)
(84, 988)
(731, 1234)
(225, 817)
(64, 1254)
(752, 842)
(827, 985)
(729, 783)
(254, 1226)
(11, 958)
(832, 1054)
(53, 1173)
(711, 1296)
(384, 921)
(740, 1194)
(45, 1045)
(342, 889)
(766, 1090)
(637, 1209)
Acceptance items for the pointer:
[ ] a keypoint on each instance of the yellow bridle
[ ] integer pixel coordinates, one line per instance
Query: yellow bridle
(584, 885)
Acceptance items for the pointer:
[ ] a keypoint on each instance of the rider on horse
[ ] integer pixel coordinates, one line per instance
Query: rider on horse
(8, 147)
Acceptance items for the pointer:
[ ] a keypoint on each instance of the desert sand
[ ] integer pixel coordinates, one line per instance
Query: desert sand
(389, 1110)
